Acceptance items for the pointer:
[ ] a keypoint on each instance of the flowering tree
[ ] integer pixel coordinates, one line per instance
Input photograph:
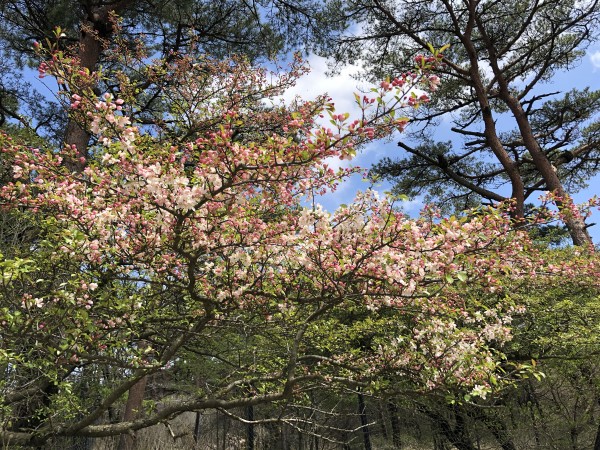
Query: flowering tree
(188, 241)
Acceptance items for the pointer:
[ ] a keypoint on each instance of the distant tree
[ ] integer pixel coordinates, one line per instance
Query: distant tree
(499, 56)
(555, 334)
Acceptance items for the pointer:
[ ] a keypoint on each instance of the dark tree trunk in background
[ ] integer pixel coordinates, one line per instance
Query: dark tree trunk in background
(362, 412)
(382, 420)
(457, 435)
(198, 427)
(498, 428)
(597, 441)
(250, 429)
(395, 423)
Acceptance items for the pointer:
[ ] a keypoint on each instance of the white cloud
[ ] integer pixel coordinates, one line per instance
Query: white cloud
(595, 58)
(486, 69)
(339, 87)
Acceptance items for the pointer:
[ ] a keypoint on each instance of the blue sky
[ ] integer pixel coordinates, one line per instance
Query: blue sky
(342, 86)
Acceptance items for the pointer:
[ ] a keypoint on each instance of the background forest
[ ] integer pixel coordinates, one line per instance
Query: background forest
(169, 279)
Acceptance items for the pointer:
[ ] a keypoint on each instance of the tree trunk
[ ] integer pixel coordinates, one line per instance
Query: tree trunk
(532, 403)
(461, 432)
(575, 224)
(250, 429)
(285, 439)
(490, 132)
(395, 424)
(439, 441)
(197, 427)
(95, 30)
(382, 420)
(226, 426)
(90, 48)
(492, 139)
(132, 409)
(457, 435)
(217, 427)
(597, 441)
(498, 429)
(362, 412)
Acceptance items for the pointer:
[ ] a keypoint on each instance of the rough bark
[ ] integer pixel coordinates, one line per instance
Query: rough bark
(575, 225)
(198, 427)
(132, 409)
(491, 135)
(96, 29)
(250, 429)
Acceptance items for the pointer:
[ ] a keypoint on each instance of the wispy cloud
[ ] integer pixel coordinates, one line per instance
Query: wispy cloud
(595, 58)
